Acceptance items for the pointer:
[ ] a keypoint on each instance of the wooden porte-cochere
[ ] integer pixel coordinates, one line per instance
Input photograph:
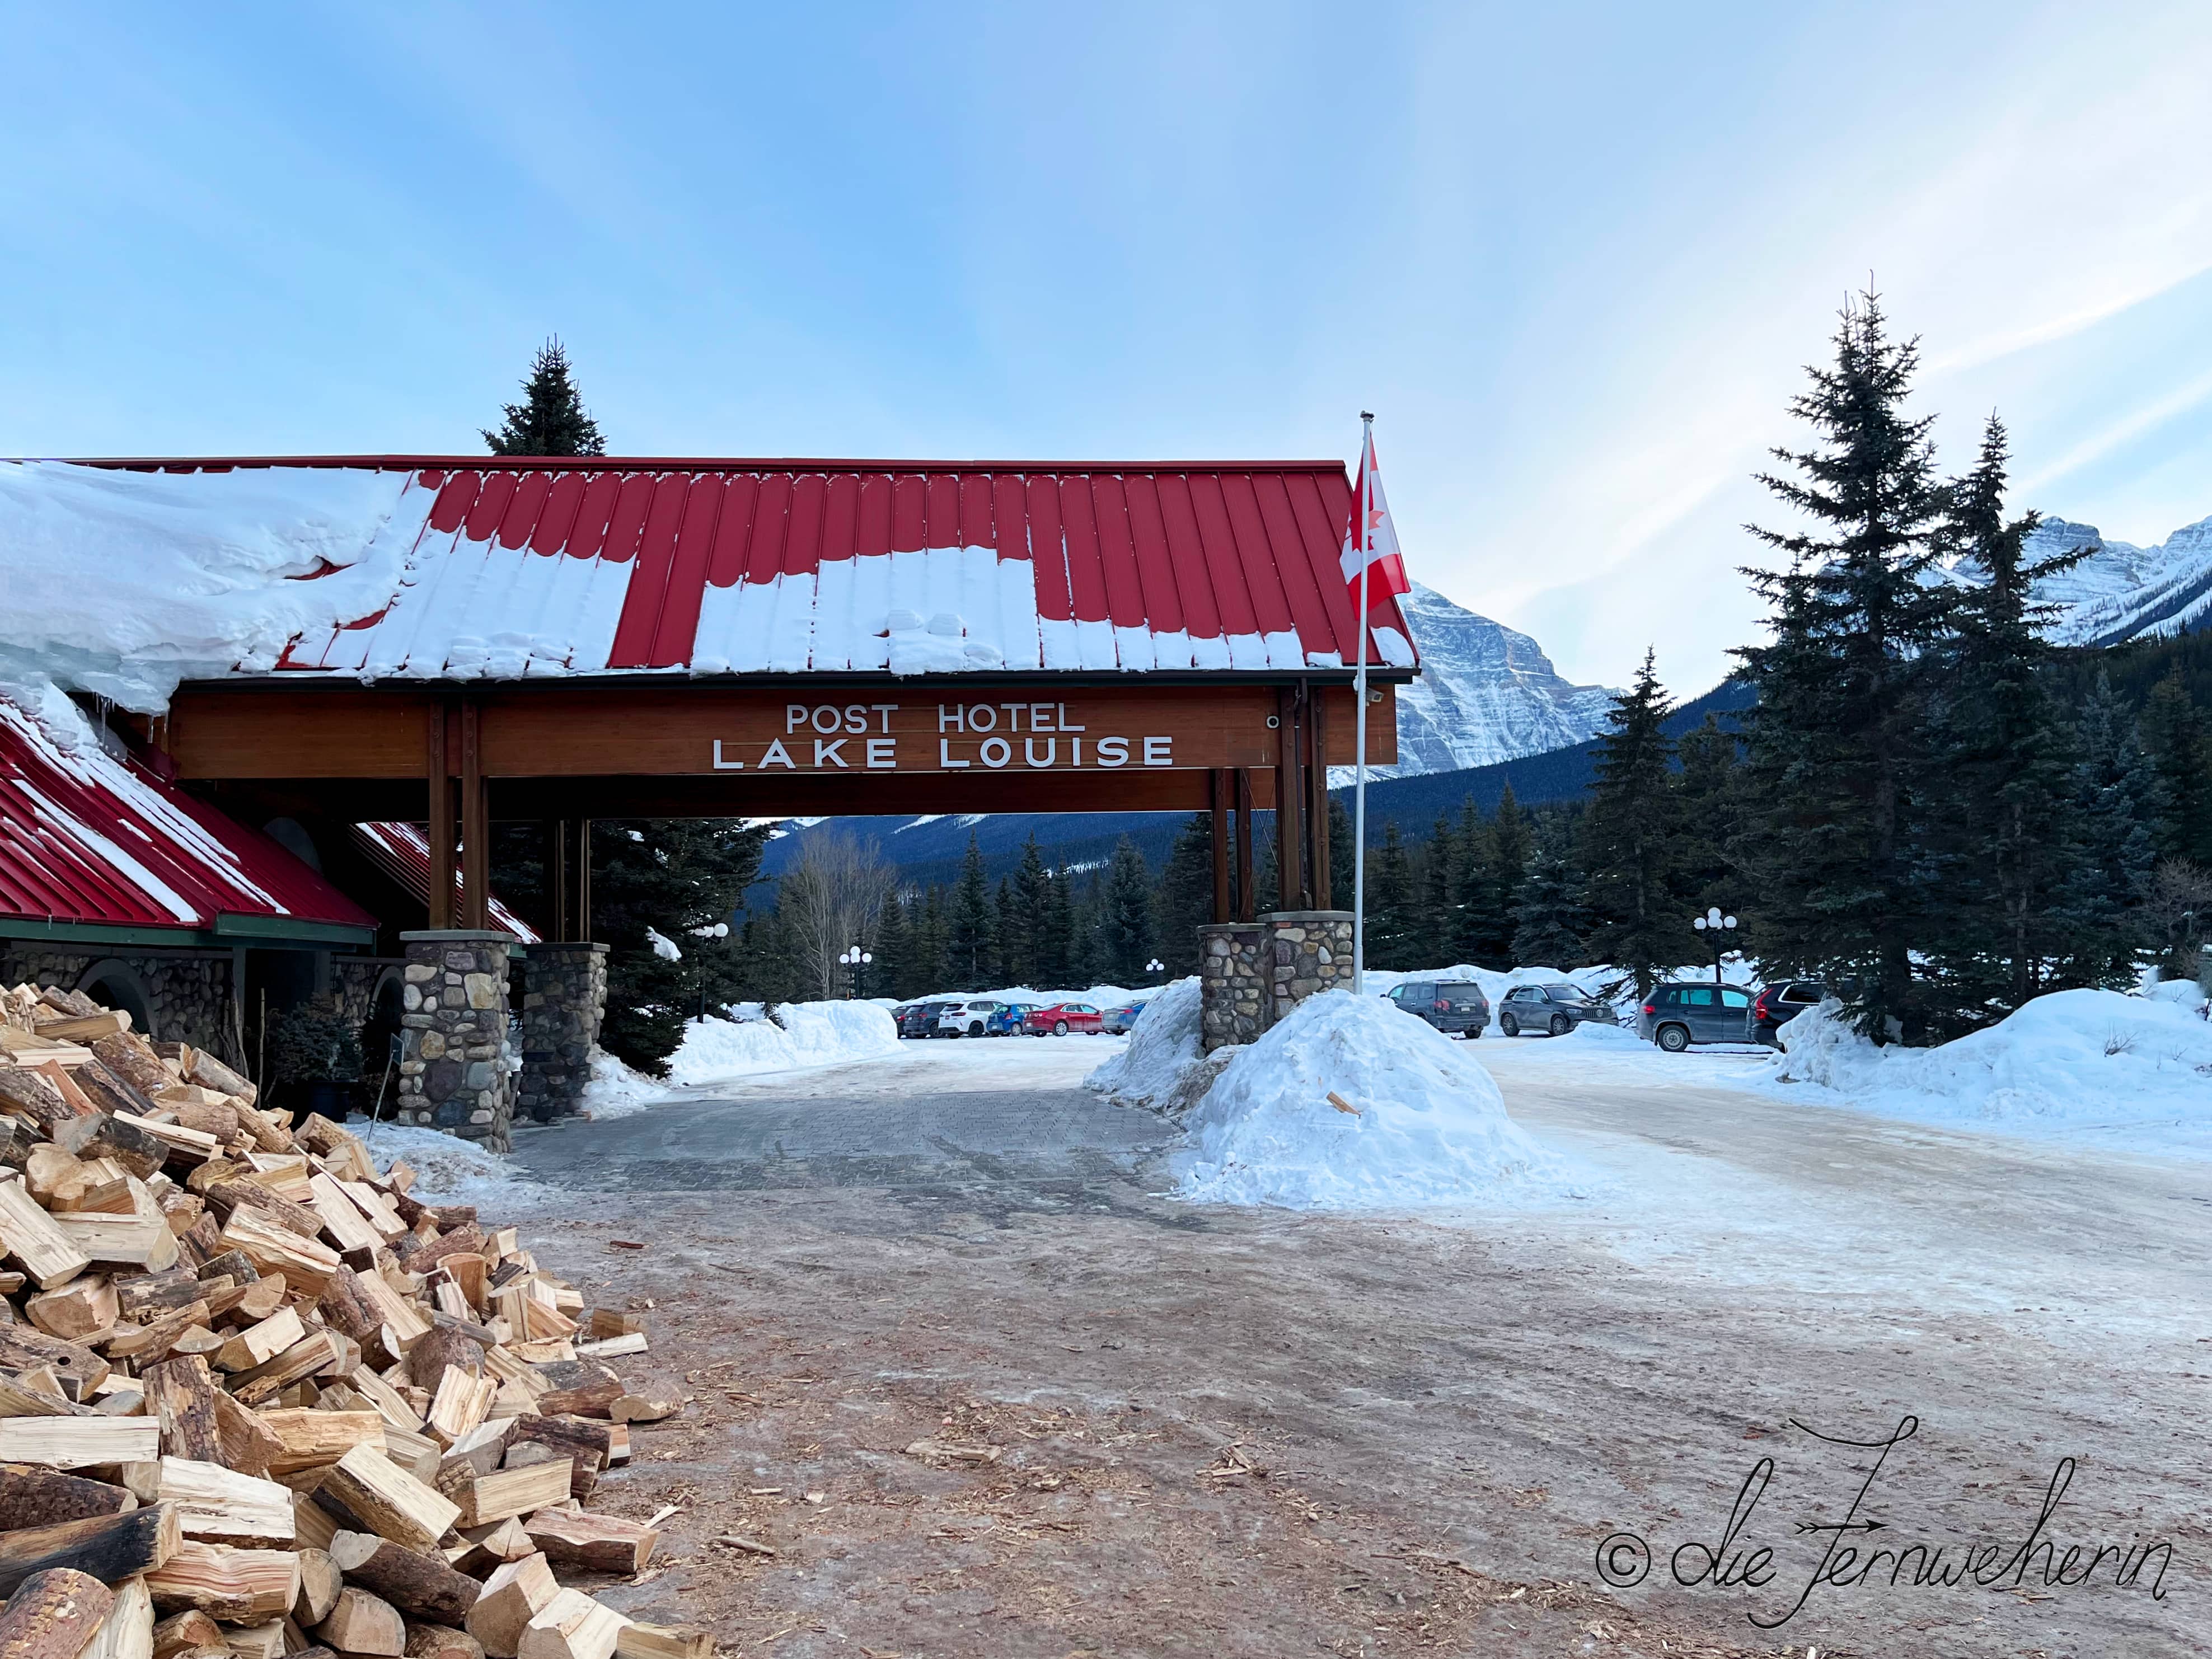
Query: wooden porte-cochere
(459, 755)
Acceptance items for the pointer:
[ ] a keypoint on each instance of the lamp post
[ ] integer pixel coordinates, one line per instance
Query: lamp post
(856, 960)
(719, 930)
(1154, 966)
(1715, 923)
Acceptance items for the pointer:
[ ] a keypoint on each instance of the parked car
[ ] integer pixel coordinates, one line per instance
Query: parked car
(1058, 1018)
(1455, 1008)
(1676, 1016)
(1011, 1020)
(1776, 1005)
(1116, 1022)
(971, 1019)
(1554, 1010)
(919, 1019)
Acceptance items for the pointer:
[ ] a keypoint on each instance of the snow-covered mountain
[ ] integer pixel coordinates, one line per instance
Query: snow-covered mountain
(2122, 591)
(1486, 694)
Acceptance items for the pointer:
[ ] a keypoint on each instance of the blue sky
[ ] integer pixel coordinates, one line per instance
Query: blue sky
(1573, 260)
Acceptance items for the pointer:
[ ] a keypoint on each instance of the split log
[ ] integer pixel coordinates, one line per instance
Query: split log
(461, 1403)
(512, 1597)
(384, 1498)
(258, 1344)
(599, 1543)
(239, 1587)
(664, 1641)
(248, 1445)
(25, 1094)
(346, 1306)
(141, 1239)
(487, 1497)
(152, 1342)
(211, 1073)
(242, 1192)
(311, 1354)
(108, 1547)
(441, 1642)
(189, 1631)
(421, 1586)
(263, 1641)
(182, 1395)
(572, 1626)
(127, 1632)
(77, 1442)
(313, 1526)
(643, 1408)
(127, 1056)
(32, 1497)
(219, 1506)
(309, 1439)
(273, 1248)
(489, 1545)
(443, 1346)
(85, 1307)
(362, 1623)
(143, 1294)
(29, 1235)
(138, 1151)
(593, 1399)
(249, 1303)
(320, 1584)
(22, 1350)
(54, 1616)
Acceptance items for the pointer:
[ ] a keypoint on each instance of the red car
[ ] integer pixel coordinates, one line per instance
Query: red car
(1061, 1019)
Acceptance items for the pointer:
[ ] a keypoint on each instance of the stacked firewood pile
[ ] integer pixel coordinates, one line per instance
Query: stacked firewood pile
(257, 1400)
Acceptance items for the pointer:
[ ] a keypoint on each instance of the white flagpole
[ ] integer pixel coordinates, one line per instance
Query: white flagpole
(1359, 725)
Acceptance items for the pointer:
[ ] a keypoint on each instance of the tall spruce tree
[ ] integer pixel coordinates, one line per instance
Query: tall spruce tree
(1549, 920)
(931, 941)
(1637, 921)
(1055, 968)
(1032, 883)
(1393, 915)
(894, 969)
(970, 941)
(1996, 797)
(2114, 803)
(1186, 895)
(1835, 757)
(550, 419)
(2178, 744)
(1125, 918)
(1472, 933)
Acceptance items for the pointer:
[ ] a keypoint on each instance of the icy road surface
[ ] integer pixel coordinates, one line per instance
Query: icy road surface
(959, 1243)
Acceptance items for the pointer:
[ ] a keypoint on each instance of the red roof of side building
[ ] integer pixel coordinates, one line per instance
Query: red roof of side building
(548, 567)
(402, 851)
(91, 841)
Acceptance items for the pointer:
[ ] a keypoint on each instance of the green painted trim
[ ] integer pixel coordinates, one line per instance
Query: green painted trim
(82, 932)
(231, 925)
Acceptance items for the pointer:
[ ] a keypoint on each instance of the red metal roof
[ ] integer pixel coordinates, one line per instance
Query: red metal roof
(596, 564)
(402, 851)
(86, 839)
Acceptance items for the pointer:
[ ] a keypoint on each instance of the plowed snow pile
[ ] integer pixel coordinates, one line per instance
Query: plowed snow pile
(1430, 1127)
(809, 1034)
(2071, 1060)
(1163, 1049)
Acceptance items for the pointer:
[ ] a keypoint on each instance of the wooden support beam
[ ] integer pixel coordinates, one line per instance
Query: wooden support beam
(580, 865)
(476, 820)
(1317, 812)
(1290, 805)
(438, 770)
(1222, 784)
(1245, 896)
(558, 901)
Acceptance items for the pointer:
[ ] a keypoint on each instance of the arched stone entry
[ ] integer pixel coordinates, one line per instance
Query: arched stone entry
(117, 983)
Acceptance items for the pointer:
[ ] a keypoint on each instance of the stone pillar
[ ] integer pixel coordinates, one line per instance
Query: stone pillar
(454, 1060)
(1253, 973)
(1232, 983)
(564, 994)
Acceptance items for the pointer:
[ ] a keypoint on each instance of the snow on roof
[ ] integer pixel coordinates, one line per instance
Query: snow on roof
(439, 568)
(89, 839)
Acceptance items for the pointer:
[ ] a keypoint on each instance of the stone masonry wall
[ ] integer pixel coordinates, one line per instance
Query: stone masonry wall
(1253, 973)
(187, 991)
(563, 998)
(454, 1073)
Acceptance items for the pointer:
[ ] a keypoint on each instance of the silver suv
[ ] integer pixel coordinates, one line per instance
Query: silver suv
(1457, 1008)
(966, 1019)
(1554, 1010)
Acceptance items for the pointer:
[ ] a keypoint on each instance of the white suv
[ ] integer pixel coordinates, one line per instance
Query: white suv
(966, 1020)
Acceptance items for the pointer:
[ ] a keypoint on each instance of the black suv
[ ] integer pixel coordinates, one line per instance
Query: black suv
(1778, 1005)
(1454, 1007)
(1554, 1010)
(1676, 1016)
(919, 1019)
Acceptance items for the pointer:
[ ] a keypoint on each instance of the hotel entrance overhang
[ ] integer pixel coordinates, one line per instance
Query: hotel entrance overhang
(566, 639)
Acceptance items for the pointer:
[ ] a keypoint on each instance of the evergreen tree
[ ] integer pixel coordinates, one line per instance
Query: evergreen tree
(1996, 794)
(1032, 885)
(1637, 921)
(1055, 969)
(2178, 744)
(670, 876)
(1186, 895)
(1835, 757)
(2108, 875)
(1340, 854)
(1436, 878)
(1006, 930)
(1393, 926)
(1473, 934)
(1125, 917)
(970, 948)
(931, 942)
(894, 969)
(1548, 917)
(1708, 811)
(551, 418)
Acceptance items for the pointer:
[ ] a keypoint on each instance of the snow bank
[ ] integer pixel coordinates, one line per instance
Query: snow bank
(1101, 997)
(615, 1091)
(812, 1034)
(1431, 1128)
(121, 584)
(2073, 1059)
(447, 1168)
(1163, 1051)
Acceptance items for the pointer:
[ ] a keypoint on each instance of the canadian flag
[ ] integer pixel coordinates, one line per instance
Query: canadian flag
(1370, 543)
